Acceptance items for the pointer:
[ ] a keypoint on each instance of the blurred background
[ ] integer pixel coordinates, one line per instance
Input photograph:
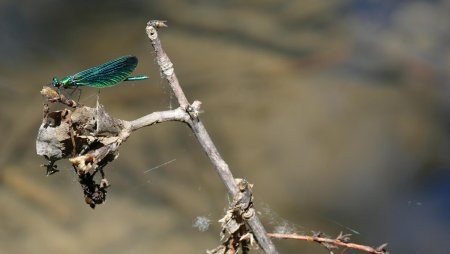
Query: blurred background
(337, 111)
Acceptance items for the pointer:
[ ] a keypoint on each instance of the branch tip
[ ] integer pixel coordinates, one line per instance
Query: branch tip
(157, 23)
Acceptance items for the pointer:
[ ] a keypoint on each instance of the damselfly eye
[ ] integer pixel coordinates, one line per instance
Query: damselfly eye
(55, 82)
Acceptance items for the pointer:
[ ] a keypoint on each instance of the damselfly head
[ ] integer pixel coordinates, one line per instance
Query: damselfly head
(55, 82)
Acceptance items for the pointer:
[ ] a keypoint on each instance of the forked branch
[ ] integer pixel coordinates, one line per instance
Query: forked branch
(90, 139)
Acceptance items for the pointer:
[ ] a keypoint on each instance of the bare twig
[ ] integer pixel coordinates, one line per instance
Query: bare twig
(200, 132)
(158, 117)
(341, 241)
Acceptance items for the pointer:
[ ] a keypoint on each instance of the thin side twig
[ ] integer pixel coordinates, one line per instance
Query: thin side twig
(201, 134)
(332, 243)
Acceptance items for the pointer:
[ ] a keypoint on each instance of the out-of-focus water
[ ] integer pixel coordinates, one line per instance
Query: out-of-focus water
(336, 111)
